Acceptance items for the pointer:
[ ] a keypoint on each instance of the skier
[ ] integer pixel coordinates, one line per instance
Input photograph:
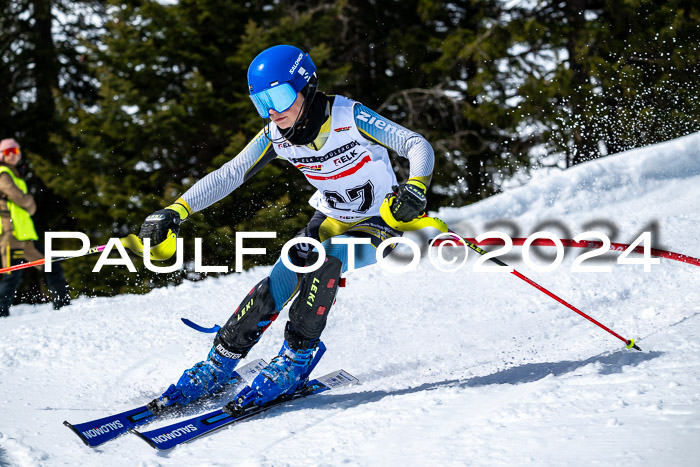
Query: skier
(17, 233)
(340, 146)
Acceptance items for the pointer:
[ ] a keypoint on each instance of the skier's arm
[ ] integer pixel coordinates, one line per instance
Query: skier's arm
(231, 175)
(209, 189)
(11, 191)
(406, 143)
(409, 199)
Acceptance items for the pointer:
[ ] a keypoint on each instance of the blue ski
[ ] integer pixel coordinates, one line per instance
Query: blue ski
(175, 434)
(96, 432)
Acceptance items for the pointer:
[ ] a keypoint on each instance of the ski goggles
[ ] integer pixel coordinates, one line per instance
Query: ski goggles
(8, 151)
(278, 98)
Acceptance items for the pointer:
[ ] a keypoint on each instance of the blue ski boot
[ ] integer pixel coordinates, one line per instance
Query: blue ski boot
(203, 378)
(286, 373)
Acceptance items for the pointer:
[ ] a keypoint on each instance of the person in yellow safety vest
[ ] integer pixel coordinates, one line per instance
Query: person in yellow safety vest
(17, 233)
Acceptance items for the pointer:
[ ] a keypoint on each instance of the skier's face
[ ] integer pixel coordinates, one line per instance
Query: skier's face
(289, 117)
(11, 156)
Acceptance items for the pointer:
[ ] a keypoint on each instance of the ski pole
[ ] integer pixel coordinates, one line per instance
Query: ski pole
(434, 222)
(42, 261)
(132, 242)
(629, 342)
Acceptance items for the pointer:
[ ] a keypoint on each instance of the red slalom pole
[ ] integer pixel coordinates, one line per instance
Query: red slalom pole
(567, 242)
(629, 342)
(42, 261)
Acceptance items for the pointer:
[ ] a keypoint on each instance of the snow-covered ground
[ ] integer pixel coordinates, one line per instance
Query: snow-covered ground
(459, 368)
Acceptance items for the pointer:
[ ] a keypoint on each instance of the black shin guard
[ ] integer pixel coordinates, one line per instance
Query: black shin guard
(309, 312)
(244, 328)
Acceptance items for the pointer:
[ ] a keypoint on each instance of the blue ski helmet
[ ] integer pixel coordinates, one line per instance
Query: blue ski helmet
(275, 77)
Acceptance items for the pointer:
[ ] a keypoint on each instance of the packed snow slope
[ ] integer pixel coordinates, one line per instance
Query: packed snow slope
(462, 368)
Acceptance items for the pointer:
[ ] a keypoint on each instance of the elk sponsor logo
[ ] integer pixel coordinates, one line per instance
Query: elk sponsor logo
(327, 156)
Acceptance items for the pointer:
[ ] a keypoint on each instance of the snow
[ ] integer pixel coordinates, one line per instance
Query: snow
(459, 368)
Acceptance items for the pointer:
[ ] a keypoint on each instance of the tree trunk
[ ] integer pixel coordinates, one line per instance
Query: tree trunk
(46, 79)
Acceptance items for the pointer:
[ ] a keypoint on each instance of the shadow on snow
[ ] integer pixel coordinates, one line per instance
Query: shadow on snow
(527, 373)
(608, 364)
